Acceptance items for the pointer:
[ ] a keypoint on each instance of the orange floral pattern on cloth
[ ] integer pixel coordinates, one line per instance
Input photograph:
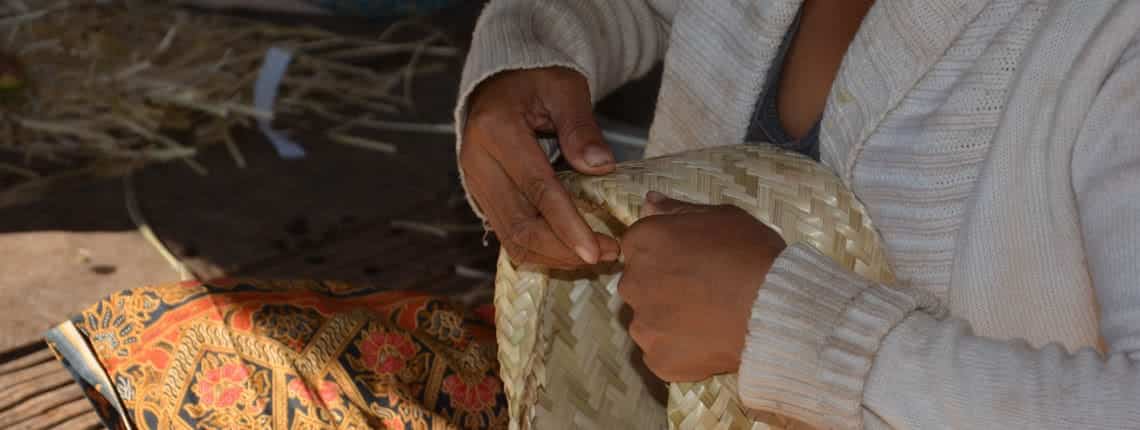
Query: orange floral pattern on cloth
(283, 355)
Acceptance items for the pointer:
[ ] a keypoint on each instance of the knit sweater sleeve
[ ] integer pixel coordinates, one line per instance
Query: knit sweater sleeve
(837, 351)
(609, 42)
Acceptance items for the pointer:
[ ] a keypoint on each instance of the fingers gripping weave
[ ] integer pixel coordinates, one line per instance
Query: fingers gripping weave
(567, 360)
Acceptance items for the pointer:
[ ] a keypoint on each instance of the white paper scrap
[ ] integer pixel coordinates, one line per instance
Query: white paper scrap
(265, 96)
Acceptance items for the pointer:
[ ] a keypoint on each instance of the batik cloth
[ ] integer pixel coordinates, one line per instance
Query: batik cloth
(283, 355)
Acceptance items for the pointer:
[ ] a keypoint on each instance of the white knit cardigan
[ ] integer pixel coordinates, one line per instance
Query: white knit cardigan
(996, 145)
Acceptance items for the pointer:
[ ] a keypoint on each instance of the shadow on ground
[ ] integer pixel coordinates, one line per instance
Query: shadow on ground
(341, 213)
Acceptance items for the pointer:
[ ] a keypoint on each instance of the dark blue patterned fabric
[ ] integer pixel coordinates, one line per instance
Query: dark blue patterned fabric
(765, 124)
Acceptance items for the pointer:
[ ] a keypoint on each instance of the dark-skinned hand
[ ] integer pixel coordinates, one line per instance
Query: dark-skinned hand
(691, 275)
(510, 177)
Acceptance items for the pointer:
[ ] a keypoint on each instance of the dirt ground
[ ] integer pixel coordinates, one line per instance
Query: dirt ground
(341, 213)
(329, 215)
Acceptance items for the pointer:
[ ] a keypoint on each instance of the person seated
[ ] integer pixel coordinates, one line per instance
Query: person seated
(993, 143)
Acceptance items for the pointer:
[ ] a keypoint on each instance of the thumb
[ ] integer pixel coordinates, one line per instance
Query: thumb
(660, 204)
(578, 133)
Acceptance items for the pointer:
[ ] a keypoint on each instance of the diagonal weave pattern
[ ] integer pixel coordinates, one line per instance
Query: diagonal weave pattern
(566, 359)
(564, 351)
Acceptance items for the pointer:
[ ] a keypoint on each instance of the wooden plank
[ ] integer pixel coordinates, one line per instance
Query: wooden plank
(31, 373)
(27, 361)
(41, 404)
(87, 421)
(36, 385)
(11, 395)
(53, 418)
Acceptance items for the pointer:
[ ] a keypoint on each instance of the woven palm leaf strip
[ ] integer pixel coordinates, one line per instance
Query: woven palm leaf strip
(564, 351)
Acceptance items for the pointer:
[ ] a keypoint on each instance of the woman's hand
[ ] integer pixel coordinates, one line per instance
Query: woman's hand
(510, 177)
(691, 275)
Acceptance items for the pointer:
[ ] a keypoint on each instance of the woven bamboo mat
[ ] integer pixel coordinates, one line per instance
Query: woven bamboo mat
(567, 359)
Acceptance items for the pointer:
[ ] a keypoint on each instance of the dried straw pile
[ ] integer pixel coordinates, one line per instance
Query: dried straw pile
(103, 87)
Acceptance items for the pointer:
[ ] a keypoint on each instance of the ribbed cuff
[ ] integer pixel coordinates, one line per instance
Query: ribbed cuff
(814, 333)
(504, 40)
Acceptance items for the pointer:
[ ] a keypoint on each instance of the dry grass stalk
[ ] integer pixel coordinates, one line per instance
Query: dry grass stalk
(364, 143)
(440, 230)
(143, 81)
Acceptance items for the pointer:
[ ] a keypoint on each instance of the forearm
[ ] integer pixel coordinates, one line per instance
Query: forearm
(827, 346)
(813, 336)
(930, 374)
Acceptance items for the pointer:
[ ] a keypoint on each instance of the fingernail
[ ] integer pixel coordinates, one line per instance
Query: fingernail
(585, 255)
(655, 197)
(596, 156)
